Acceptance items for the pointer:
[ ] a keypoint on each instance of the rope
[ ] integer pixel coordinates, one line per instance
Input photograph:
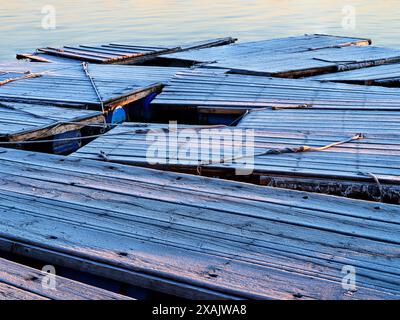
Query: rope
(376, 179)
(239, 118)
(358, 136)
(85, 66)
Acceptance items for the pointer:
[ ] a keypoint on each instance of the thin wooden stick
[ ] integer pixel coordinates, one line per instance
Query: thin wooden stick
(29, 76)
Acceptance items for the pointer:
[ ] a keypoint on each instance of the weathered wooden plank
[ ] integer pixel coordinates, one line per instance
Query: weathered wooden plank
(23, 279)
(211, 43)
(329, 121)
(8, 292)
(193, 236)
(218, 152)
(384, 75)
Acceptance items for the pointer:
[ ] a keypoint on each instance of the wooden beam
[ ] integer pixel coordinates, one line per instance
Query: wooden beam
(28, 281)
(32, 57)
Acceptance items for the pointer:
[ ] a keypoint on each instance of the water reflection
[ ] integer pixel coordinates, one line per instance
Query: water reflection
(170, 21)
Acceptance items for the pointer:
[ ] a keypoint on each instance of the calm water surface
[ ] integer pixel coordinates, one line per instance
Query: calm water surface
(175, 21)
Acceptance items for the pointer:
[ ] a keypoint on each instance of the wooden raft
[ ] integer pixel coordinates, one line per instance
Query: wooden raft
(385, 75)
(69, 85)
(116, 53)
(22, 122)
(20, 282)
(291, 57)
(209, 91)
(195, 237)
(351, 169)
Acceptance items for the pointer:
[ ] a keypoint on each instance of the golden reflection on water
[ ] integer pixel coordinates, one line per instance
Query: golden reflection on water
(172, 21)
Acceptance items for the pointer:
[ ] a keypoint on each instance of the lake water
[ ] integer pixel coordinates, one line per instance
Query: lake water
(176, 21)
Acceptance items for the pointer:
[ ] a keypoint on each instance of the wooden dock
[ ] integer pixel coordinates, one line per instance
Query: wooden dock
(316, 162)
(208, 91)
(23, 122)
(291, 57)
(98, 87)
(384, 75)
(195, 237)
(116, 53)
(365, 168)
(20, 282)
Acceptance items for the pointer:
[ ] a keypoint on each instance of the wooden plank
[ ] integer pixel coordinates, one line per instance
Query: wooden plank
(11, 293)
(31, 57)
(195, 237)
(62, 53)
(384, 75)
(26, 283)
(211, 43)
(124, 100)
(329, 121)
